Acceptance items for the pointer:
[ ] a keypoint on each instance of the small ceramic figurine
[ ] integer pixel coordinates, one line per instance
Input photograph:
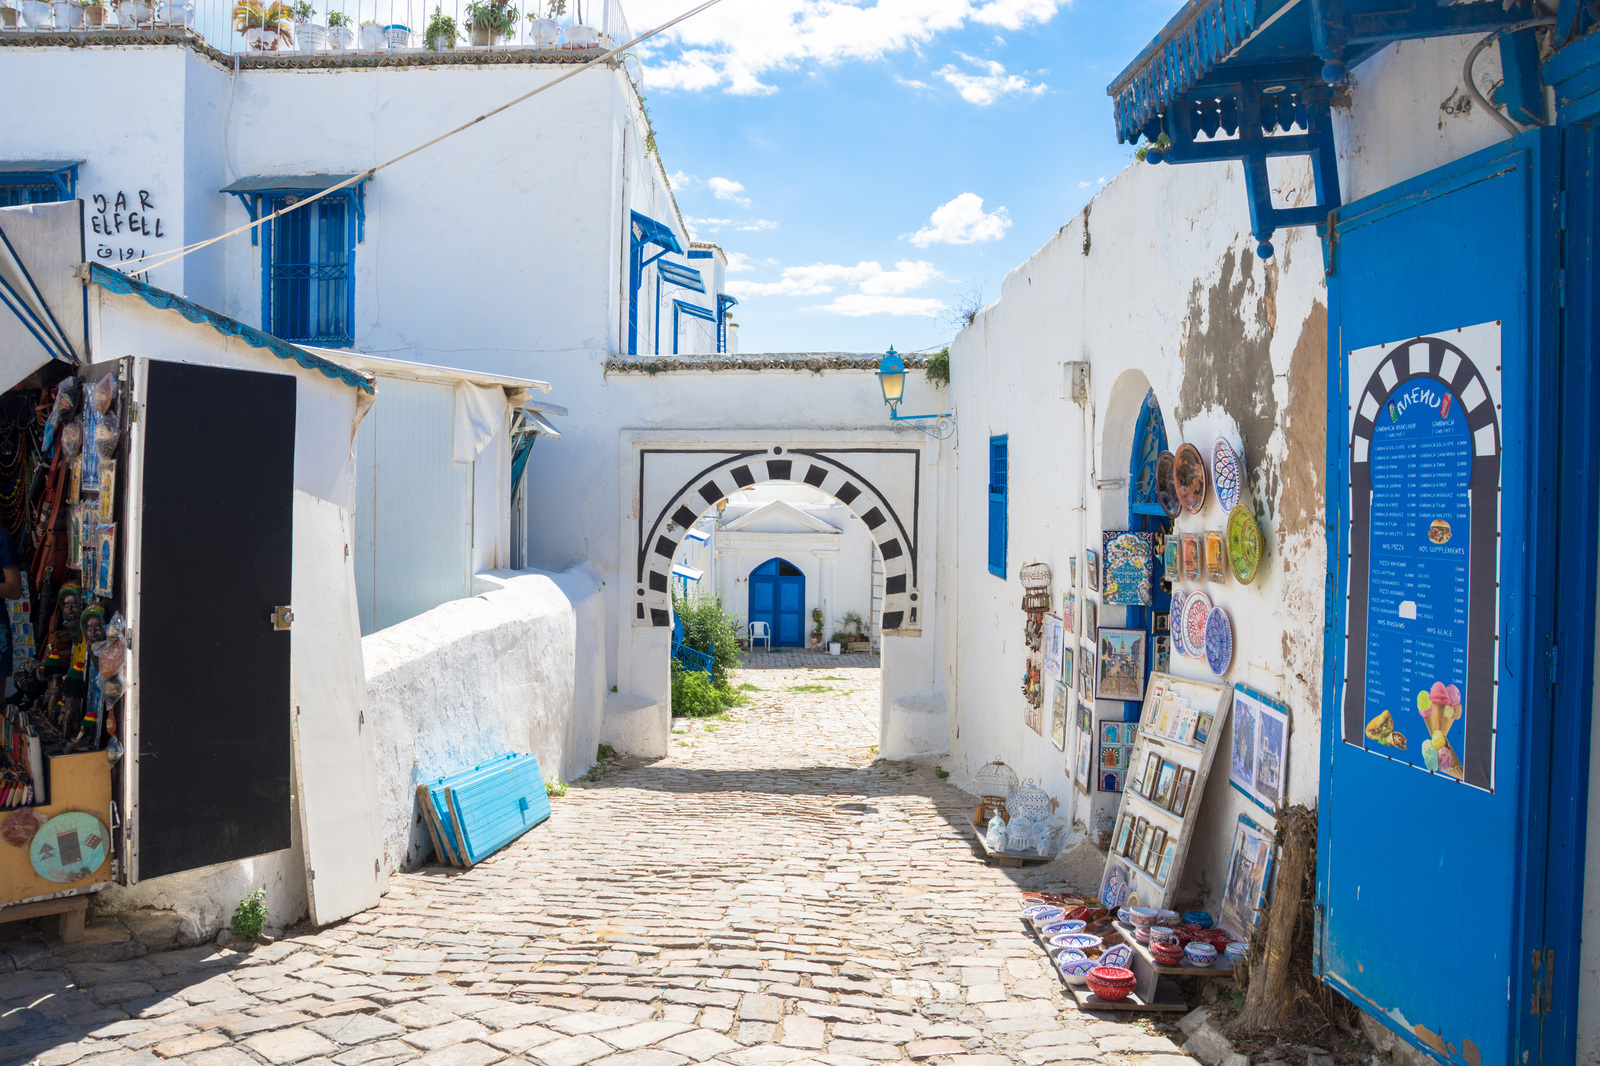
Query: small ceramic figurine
(996, 838)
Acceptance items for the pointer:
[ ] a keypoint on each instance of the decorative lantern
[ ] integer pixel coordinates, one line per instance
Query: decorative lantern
(994, 782)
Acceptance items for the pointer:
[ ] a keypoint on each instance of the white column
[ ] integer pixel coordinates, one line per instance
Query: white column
(828, 600)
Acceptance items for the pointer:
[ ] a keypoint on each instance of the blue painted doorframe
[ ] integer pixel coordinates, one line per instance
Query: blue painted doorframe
(1472, 242)
(778, 598)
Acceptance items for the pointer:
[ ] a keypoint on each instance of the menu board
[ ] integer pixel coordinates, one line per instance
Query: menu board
(1424, 522)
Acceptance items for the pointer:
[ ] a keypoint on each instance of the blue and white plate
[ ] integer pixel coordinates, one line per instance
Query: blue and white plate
(1225, 473)
(1219, 641)
(1175, 621)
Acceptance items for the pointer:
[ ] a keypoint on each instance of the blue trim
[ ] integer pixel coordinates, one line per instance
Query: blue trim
(724, 303)
(999, 486)
(644, 231)
(1149, 441)
(681, 276)
(307, 288)
(115, 281)
(701, 253)
(683, 307)
(55, 181)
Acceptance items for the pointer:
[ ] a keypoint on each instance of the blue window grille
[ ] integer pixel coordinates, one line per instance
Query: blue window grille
(37, 182)
(724, 306)
(308, 271)
(1149, 441)
(998, 448)
(681, 308)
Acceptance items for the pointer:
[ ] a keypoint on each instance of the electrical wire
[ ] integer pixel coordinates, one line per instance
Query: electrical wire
(1472, 86)
(163, 258)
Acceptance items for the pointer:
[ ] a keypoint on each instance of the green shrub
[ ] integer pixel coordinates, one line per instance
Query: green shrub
(695, 697)
(937, 368)
(555, 787)
(709, 628)
(250, 917)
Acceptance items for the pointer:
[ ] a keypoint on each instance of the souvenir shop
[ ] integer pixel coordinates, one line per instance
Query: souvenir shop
(165, 515)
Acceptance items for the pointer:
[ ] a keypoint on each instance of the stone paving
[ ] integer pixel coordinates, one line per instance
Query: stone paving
(767, 895)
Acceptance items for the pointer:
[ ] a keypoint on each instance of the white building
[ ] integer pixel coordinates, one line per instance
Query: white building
(775, 553)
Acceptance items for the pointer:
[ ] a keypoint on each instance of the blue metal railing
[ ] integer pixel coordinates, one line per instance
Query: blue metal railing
(693, 660)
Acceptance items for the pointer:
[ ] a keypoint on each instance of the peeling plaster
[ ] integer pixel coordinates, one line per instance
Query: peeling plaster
(1227, 360)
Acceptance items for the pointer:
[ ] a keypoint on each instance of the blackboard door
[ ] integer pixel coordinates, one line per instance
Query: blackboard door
(215, 515)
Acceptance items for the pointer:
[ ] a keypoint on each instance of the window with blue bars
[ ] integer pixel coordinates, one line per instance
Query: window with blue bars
(997, 505)
(308, 271)
(37, 183)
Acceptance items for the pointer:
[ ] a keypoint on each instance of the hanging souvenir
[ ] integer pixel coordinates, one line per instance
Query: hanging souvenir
(1196, 610)
(1216, 556)
(1245, 544)
(1175, 621)
(1122, 661)
(1091, 569)
(1225, 473)
(1170, 556)
(105, 550)
(1167, 484)
(1219, 641)
(108, 488)
(1191, 557)
(1129, 562)
(1058, 716)
(1189, 471)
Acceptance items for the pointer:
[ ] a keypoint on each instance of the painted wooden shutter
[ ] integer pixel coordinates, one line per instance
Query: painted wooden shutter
(997, 506)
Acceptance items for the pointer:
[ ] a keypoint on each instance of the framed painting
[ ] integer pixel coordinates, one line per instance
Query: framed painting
(1191, 557)
(1129, 563)
(1058, 716)
(1052, 643)
(1091, 569)
(1248, 867)
(1120, 675)
(1216, 552)
(1169, 555)
(1111, 780)
(1066, 664)
(1166, 780)
(1072, 572)
(1091, 619)
(1069, 613)
(1085, 755)
(1120, 845)
(1161, 652)
(1259, 761)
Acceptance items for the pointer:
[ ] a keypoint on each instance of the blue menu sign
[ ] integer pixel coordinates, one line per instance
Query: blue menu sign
(1424, 521)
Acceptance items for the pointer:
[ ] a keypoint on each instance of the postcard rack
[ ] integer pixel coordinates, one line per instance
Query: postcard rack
(1166, 776)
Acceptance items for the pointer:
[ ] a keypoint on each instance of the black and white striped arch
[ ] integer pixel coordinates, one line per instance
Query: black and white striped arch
(880, 485)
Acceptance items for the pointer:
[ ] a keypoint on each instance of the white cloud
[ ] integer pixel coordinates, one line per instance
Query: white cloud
(962, 221)
(757, 225)
(1091, 184)
(738, 261)
(727, 189)
(700, 228)
(733, 45)
(679, 180)
(985, 88)
(858, 305)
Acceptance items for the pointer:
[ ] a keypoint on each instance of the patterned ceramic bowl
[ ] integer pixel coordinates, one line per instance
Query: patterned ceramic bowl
(1075, 966)
(1043, 915)
(1111, 983)
(1066, 925)
(1236, 949)
(1200, 953)
(1120, 955)
(1167, 954)
(1200, 918)
(1084, 942)
(1144, 916)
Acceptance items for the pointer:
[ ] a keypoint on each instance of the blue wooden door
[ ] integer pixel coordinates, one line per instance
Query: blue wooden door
(1433, 811)
(778, 598)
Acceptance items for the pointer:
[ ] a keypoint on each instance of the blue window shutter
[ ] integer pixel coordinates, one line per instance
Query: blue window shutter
(997, 506)
(308, 283)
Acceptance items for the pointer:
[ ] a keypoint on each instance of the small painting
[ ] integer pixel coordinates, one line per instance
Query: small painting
(1066, 664)
(1111, 780)
(1085, 717)
(1085, 754)
(1091, 619)
(1166, 778)
(1121, 843)
(1129, 561)
(1202, 729)
(1191, 556)
(1139, 826)
(1110, 732)
(1160, 622)
(1145, 845)
(1242, 758)
(1169, 556)
(1072, 572)
(1053, 643)
(1161, 652)
(1091, 569)
(1069, 613)
(1152, 768)
(1180, 796)
(1157, 845)
(1121, 671)
(1058, 716)
(1111, 756)
(1216, 552)
(1248, 867)
(1086, 671)
(1260, 747)
(1168, 853)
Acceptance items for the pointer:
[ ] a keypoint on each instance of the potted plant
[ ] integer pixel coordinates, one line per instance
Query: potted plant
(94, 13)
(491, 21)
(173, 12)
(369, 38)
(579, 33)
(397, 36)
(440, 36)
(816, 627)
(265, 26)
(133, 12)
(68, 14)
(9, 17)
(36, 13)
(543, 29)
(852, 623)
(308, 36)
(339, 34)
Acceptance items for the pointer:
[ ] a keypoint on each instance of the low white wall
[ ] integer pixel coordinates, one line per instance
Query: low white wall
(516, 668)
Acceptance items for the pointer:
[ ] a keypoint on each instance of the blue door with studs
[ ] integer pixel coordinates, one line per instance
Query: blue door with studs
(778, 598)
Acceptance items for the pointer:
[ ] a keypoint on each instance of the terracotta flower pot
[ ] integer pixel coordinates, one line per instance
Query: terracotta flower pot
(94, 17)
(8, 18)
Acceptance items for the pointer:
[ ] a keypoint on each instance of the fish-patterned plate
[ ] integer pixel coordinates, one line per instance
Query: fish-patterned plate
(1226, 474)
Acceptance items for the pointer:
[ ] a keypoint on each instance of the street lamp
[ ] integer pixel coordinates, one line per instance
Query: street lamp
(892, 380)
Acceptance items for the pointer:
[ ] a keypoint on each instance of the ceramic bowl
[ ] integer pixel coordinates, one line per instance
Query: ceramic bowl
(1237, 949)
(1143, 916)
(1200, 918)
(1084, 942)
(1075, 966)
(1111, 983)
(1200, 953)
(1217, 938)
(1167, 954)
(1167, 917)
(1142, 934)
(1160, 934)
(1042, 915)
(1120, 955)
(1066, 925)
(1123, 915)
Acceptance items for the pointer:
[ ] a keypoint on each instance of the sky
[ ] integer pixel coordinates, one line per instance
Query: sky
(871, 167)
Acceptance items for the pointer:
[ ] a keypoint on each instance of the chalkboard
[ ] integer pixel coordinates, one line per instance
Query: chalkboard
(1424, 525)
(216, 503)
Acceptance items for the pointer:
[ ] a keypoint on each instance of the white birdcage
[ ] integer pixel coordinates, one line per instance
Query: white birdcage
(994, 782)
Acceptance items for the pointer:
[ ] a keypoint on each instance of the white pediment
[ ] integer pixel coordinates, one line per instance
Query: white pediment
(779, 517)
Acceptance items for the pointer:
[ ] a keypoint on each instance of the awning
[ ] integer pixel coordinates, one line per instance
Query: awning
(687, 572)
(42, 308)
(680, 275)
(62, 173)
(285, 183)
(647, 230)
(544, 407)
(696, 533)
(543, 425)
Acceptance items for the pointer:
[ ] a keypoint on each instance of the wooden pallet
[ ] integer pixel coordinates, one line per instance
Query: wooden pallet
(72, 909)
(1006, 858)
(1153, 992)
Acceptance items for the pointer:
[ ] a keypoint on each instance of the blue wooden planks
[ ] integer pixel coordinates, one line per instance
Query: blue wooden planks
(473, 813)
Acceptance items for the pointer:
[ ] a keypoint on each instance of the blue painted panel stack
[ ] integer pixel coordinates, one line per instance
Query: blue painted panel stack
(473, 813)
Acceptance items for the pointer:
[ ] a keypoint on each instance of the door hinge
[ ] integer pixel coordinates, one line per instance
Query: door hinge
(1549, 979)
(1561, 211)
(282, 617)
(1537, 1006)
(1561, 287)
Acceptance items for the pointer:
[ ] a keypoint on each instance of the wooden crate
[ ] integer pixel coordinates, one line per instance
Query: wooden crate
(77, 783)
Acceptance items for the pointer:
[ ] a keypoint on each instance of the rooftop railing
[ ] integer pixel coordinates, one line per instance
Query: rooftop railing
(570, 29)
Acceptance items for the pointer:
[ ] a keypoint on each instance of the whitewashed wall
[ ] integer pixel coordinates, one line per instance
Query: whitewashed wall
(510, 669)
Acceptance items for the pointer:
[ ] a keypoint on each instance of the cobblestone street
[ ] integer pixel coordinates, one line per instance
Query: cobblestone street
(764, 896)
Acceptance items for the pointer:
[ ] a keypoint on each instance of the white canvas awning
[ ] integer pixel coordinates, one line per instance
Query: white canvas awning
(687, 572)
(42, 305)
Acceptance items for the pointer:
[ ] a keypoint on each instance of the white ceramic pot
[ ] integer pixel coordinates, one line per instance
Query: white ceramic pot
(258, 39)
(94, 17)
(483, 36)
(834, 647)
(370, 37)
(36, 13)
(173, 12)
(397, 36)
(308, 36)
(68, 16)
(580, 36)
(340, 38)
(134, 12)
(544, 33)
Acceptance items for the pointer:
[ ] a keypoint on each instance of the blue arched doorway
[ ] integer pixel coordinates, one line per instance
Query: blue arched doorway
(778, 598)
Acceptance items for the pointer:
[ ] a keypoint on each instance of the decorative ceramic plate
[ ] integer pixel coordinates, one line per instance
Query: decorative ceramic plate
(1245, 544)
(1225, 473)
(1175, 621)
(1167, 484)
(69, 847)
(1196, 610)
(1219, 641)
(1189, 471)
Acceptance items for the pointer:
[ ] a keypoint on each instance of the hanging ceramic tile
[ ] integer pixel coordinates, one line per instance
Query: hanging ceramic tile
(1128, 566)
